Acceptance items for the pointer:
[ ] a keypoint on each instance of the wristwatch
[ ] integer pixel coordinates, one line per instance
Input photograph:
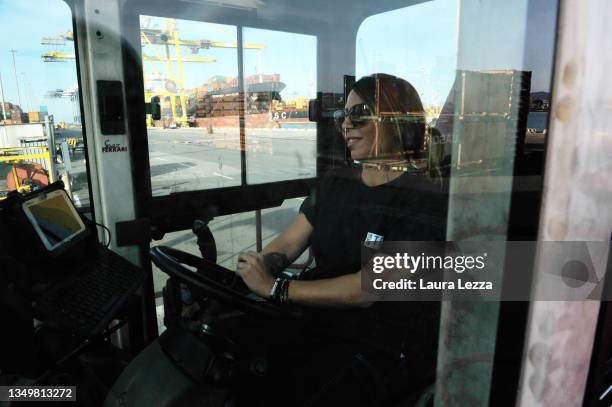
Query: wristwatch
(275, 292)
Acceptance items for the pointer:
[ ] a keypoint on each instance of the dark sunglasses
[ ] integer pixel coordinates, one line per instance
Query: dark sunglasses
(359, 115)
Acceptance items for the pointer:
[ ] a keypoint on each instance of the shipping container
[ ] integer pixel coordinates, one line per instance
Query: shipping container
(34, 117)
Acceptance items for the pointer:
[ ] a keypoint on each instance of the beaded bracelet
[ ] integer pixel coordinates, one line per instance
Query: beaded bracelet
(284, 296)
(274, 292)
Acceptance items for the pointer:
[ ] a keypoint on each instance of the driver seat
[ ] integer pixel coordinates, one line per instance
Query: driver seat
(156, 377)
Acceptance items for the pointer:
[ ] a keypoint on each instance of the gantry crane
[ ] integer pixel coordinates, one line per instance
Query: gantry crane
(55, 56)
(151, 39)
(71, 93)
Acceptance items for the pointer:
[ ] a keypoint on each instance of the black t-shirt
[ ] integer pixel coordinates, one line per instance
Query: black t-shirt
(342, 211)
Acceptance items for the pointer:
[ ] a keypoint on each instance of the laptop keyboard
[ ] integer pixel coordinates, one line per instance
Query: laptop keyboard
(86, 305)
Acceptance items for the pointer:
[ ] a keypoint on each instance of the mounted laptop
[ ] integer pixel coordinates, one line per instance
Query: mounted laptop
(93, 282)
(55, 220)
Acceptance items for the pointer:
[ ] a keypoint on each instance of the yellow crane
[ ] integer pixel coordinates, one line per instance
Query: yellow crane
(151, 38)
(55, 56)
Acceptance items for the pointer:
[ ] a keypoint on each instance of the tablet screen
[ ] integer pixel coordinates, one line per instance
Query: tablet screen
(54, 218)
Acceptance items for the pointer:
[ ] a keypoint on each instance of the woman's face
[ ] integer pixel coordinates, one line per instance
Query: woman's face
(360, 141)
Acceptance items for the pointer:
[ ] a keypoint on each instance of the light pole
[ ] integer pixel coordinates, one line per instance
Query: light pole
(27, 97)
(2, 100)
(12, 51)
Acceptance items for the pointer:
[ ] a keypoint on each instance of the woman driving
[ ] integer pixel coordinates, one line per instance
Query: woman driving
(382, 197)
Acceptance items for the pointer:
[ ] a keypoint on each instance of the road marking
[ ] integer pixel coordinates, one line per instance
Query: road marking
(221, 175)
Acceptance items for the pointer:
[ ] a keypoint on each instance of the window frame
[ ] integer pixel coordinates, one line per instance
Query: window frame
(176, 211)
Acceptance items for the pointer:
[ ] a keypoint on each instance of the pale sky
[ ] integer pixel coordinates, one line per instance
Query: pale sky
(417, 43)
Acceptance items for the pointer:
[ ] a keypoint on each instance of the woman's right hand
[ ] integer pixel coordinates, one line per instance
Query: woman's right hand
(252, 269)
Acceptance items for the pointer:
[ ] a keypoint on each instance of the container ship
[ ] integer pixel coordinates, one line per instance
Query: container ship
(217, 103)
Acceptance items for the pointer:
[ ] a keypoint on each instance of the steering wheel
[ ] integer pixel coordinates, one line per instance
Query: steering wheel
(217, 282)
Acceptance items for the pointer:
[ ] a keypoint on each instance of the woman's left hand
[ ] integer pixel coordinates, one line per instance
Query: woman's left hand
(252, 269)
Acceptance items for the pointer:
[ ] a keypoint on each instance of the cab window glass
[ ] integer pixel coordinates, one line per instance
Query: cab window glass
(193, 67)
(424, 52)
(280, 79)
(453, 146)
(41, 137)
(483, 72)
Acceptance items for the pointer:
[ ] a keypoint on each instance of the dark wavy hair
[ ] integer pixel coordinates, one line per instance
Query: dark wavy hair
(398, 105)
